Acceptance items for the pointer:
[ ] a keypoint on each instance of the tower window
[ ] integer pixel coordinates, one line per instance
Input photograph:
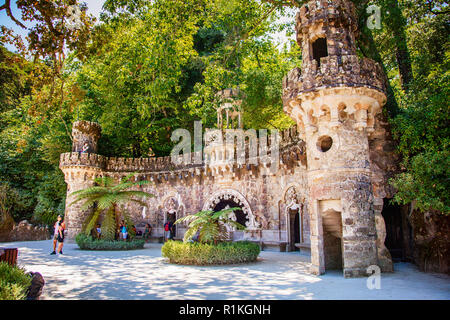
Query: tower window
(319, 48)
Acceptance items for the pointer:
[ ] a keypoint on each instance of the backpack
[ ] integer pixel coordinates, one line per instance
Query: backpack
(166, 226)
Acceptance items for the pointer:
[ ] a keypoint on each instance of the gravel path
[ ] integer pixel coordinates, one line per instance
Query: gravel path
(144, 274)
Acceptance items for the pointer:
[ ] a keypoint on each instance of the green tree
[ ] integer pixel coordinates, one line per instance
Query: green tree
(210, 225)
(107, 197)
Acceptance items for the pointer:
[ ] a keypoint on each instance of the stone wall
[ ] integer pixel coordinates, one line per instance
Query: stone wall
(25, 231)
(190, 188)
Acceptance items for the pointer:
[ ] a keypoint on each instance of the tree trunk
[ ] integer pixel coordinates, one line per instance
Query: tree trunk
(396, 24)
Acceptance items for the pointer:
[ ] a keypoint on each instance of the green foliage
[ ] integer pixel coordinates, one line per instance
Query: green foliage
(153, 66)
(14, 282)
(210, 254)
(9, 202)
(88, 243)
(108, 196)
(423, 136)
(210, 225)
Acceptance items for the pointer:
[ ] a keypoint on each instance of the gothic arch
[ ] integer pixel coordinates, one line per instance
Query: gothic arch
(293, 201)
(237, 197)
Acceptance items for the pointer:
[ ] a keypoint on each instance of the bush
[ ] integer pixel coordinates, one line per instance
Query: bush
(14, 282)
(88, 243)
(209, 254)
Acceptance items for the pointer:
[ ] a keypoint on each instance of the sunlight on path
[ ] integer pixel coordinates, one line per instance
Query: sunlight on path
(144, 274)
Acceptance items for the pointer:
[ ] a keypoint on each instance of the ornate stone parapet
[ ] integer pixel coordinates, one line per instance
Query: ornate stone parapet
(348, 71)
(77, 159)
(160, 164)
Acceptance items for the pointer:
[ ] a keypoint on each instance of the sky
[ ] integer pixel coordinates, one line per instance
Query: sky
(94, 8)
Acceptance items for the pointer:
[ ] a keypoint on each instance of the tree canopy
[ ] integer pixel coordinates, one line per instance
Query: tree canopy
(149, 67)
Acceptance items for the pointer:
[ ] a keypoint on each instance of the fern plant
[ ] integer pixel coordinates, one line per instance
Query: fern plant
(210, 225)
(107, 197)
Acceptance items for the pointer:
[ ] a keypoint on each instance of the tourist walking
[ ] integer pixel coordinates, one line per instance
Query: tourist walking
(56, 226)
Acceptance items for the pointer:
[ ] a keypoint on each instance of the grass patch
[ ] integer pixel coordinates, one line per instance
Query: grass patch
(85, 242)
(14, 282)
(209, 254)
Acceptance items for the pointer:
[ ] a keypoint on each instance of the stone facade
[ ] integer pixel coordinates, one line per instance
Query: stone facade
(326, 194)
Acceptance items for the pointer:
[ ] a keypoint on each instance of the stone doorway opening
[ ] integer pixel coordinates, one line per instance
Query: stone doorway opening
(332, 239)
(398, 231)
(295, 230)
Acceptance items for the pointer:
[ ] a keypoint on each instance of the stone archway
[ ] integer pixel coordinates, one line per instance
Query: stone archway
(235, 197)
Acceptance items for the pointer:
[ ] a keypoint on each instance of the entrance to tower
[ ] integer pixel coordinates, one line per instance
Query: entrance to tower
(241, 217)
(398, 231)
(332, 239)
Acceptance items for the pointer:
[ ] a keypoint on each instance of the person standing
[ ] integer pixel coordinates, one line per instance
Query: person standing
(123, 233)
(168, 230)
(56, 232)
(60, 237)
(147, 231)
(98, 231)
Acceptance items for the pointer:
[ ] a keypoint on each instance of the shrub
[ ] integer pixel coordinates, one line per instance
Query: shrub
(88, 243)
(210, 254)
(14, 282)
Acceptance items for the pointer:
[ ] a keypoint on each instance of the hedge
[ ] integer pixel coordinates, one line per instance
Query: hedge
(14, 282)
(209, 254)
(85, 242)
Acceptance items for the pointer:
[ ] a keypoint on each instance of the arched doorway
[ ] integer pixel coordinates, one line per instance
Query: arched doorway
(231, 198)
(295, 234)
(241, 217)
(295, 223)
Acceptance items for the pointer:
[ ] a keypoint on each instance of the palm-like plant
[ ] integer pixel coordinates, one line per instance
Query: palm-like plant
(107, 196)
(210, 225)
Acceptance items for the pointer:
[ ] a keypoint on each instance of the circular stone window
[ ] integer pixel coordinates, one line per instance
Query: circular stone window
(324, 143)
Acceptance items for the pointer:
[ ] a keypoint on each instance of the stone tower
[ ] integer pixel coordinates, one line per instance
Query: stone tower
(334, 98)
(80, 168)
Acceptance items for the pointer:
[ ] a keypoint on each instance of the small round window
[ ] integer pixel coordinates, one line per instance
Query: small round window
(324, 143)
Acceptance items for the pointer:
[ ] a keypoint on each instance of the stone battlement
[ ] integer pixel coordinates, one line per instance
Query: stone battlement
(288, 138)
(345, 71)
(326, 11)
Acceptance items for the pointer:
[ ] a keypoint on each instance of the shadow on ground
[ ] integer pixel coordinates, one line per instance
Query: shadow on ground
(144, 274)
